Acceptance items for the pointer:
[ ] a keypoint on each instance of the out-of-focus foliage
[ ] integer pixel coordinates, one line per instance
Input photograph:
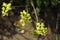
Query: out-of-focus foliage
(37, 3)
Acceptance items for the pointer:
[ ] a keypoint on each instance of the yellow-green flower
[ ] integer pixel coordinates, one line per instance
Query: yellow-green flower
(5, 8)
(4, 4)
(42, 24)
(25, 18)
(40, 30)
(37, 24)
(24, 12)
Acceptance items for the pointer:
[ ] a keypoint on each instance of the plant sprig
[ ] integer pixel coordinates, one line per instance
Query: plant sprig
(40, 30)
(5, 8)
(25, 18)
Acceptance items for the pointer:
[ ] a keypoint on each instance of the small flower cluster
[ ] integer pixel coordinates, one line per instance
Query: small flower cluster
(40, 30)
(5, 8)
(25, 18)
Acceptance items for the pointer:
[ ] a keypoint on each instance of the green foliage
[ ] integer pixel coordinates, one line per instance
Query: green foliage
(25, 18)
(40, 30)
(5, 8)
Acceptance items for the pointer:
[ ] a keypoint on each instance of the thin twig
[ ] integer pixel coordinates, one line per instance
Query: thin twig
(57, 26)
(34, 11)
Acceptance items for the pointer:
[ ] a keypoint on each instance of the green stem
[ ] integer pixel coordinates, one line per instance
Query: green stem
(34, 11)
(27, 4)
(27, 8)
(57, 26)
